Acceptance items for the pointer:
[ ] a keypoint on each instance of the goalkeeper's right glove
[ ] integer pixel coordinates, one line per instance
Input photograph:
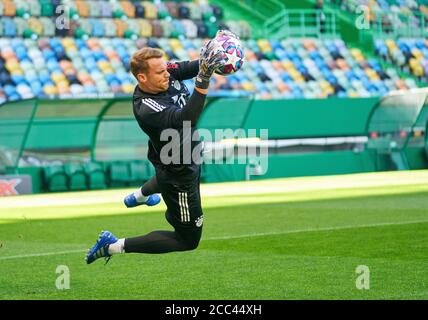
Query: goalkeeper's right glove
(210, 59)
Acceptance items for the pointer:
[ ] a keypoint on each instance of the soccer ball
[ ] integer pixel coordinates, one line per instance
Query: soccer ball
(234, 52)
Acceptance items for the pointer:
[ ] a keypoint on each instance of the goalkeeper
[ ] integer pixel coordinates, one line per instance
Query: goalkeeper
(161, 101)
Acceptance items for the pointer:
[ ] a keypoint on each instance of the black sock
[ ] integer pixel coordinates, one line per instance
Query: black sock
(161, 242)
(150, 187)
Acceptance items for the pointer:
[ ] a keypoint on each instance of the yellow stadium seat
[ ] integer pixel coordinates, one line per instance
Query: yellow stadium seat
(35, 25)
(146, 28)
(57, 77)
(128, 88)
(287, 64)
(248, 86)
(175, 44)
(150, 10)
(50, 90)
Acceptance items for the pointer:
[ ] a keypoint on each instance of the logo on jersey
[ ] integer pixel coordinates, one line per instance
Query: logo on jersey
(180, 100)
(152, 104)
(171, 65)
(177, 85)
(199, 221)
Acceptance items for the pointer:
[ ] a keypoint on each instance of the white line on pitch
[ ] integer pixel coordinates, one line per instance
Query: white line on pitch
(240, 236)
(40, 254)
(317, 229)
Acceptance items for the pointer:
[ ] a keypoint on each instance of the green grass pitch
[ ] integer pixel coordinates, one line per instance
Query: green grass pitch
(298, 238)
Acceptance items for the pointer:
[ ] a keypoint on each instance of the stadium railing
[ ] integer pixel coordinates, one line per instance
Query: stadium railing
(290, 23)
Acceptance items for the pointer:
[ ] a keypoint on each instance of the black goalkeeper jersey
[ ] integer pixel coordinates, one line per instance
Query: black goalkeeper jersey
(168, 110)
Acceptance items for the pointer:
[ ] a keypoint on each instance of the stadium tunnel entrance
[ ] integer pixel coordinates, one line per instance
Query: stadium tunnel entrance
(397, 131)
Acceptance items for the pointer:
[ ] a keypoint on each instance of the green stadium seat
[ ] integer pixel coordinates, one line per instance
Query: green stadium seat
(47, 9)
(118, 14)
(212, 29)
(55, 178)
(76, 176)
(138, 172)
(96, 175)
(119, 174)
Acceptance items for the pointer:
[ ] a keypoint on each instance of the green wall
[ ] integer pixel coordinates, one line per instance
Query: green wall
(283, 118)
(416, 157)
(311, 117)
(292, 118)
(61, 133)
(295, 165)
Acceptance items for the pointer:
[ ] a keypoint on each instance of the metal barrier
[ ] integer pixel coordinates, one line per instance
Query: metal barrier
(302, 23)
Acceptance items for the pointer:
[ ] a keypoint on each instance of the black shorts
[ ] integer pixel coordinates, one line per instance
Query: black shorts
(183, 200)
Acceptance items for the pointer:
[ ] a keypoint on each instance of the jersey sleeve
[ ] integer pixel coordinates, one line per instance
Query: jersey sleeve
(183, 70)
(154, 114)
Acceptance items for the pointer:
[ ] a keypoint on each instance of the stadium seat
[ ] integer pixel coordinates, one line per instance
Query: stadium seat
(46, 9)
(55, 178)
(150, 10)
(94, 9)
(119, 174)
(95, 175)
(76, 176)
(139, 172)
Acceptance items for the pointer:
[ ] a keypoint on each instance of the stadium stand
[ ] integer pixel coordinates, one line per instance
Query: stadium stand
(275, 69)
(92, 56)
(410, 55)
